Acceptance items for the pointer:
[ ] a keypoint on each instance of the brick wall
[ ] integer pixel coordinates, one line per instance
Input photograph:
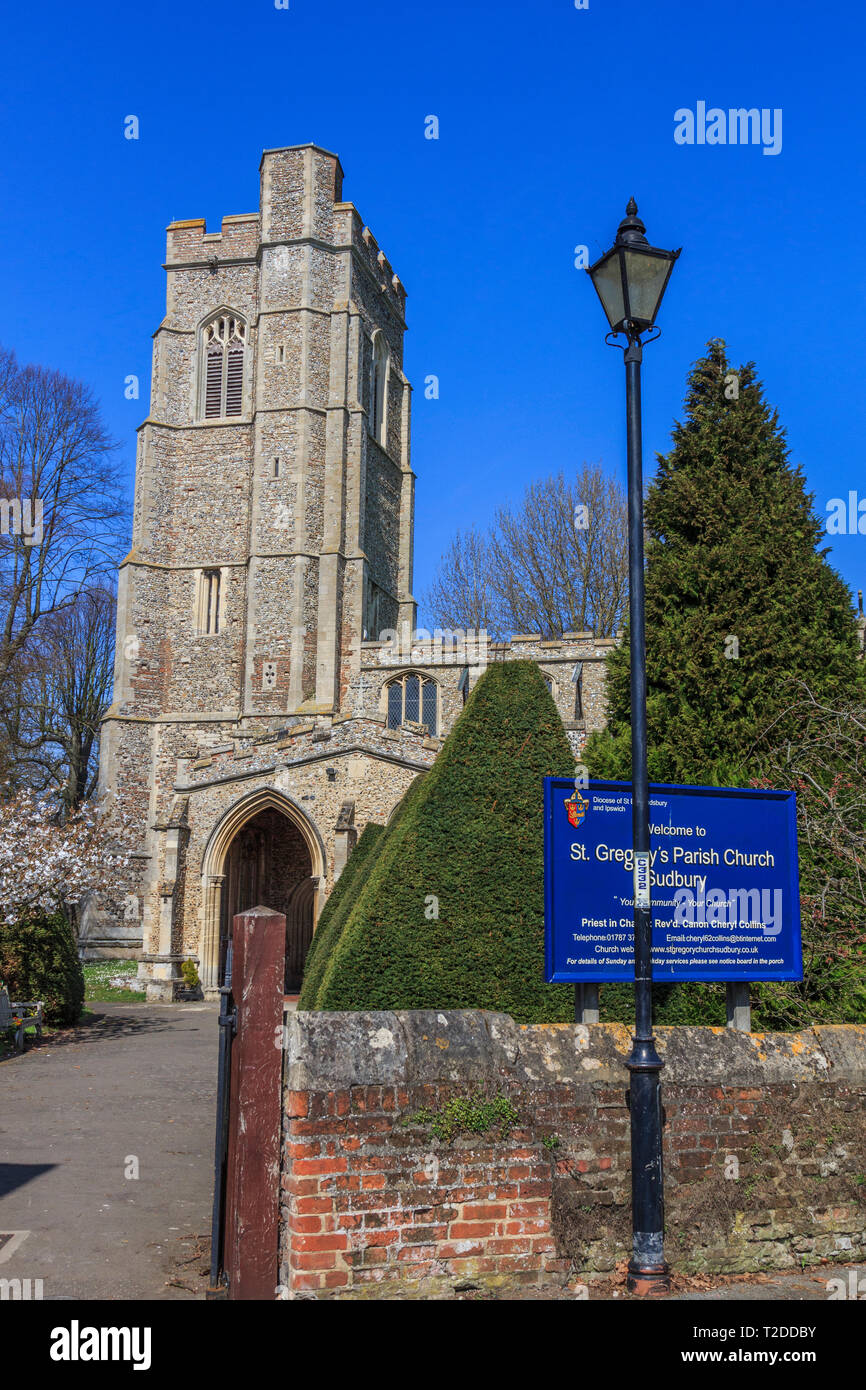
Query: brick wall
(764, 1152)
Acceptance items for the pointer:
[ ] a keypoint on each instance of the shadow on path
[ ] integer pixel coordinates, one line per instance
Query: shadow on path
(97, 1027)
(14, 1175)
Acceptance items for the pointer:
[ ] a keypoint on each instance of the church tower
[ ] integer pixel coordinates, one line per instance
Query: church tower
(273, 498)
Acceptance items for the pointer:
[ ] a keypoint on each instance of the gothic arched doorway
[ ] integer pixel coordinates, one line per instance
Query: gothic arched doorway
(268, 864)
(265, 852)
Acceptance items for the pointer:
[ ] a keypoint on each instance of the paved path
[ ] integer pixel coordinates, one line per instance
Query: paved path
(140, 1081)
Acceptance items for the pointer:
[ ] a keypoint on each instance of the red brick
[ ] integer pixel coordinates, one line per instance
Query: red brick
(371, 1124)
(302, 1187)
(306, 1206)
(471, 1230)
(537, 1208)
(484, 1211)
(469, 1265)
(336, 1278)
(337, 1240)
(423, 1233)
(320, 1167)
(450, 1251)
(309, 1148)
(374, 1255)
(385, 1236)
(509, 1245)
(297, 1103)
(299, 1128)
(303, 1282)
(314, 1259)
(377, 1219)
(306, 1225)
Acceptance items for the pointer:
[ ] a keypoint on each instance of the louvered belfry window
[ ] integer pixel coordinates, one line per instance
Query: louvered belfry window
(225, 340)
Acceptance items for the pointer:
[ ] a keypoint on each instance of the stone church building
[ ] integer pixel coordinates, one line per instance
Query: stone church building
(272, 694)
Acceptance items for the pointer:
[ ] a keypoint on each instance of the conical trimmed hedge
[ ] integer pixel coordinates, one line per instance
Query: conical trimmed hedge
(451, 912)
(333, 914)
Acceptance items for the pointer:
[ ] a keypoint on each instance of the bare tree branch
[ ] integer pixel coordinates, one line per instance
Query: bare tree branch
(556, 563)
(54, 452)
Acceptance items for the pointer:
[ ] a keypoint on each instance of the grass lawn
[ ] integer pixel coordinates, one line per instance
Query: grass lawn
(111, 981)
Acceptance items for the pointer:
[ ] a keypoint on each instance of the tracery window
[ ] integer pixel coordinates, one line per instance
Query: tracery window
(224, 342)
(414, 700)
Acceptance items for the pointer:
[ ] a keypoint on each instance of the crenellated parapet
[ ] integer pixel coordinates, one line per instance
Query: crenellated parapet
(190, 243)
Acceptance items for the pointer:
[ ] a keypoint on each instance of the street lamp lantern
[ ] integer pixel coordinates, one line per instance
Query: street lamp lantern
(631, 278)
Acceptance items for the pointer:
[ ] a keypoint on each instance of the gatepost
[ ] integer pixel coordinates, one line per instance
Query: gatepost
(252, 1183)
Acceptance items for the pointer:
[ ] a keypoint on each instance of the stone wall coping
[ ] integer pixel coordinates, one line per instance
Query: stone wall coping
(332, 1050)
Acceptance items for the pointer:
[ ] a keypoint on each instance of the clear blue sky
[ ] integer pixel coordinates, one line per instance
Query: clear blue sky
(550, 117)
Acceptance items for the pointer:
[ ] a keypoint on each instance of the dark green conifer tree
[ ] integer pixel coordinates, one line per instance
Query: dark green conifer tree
(741, 603)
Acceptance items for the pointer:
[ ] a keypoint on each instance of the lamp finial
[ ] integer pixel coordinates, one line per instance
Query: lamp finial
(631, 228)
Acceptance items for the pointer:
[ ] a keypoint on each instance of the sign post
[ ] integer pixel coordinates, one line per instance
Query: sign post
(722, 872)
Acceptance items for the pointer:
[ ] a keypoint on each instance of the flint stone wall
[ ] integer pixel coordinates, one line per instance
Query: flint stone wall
(764, 1152)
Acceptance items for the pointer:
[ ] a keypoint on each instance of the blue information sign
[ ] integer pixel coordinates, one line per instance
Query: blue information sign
(723, 881)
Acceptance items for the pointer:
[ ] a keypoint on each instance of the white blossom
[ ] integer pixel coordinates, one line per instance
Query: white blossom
(47, 864)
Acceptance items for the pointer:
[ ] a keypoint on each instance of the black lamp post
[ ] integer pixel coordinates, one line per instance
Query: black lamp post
(630, 280)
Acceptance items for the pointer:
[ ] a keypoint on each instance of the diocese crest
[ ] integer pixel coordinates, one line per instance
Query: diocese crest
(577, 807)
